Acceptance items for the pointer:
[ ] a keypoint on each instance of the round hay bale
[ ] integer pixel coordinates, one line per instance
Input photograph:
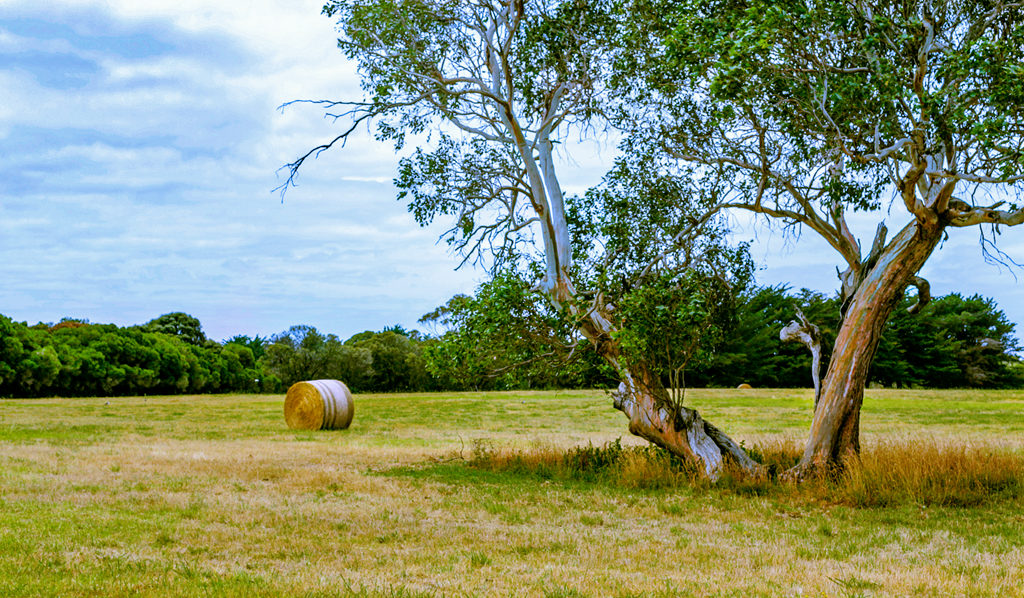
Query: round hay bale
(318, 405)
(744, 386)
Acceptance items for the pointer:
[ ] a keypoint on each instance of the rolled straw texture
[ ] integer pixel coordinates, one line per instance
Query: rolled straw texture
(318, 405)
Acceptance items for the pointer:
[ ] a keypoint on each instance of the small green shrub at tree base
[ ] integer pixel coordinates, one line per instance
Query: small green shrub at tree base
(611, 463)
(673, 323)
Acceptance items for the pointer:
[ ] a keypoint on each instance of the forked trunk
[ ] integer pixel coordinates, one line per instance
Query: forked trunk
(835, 429)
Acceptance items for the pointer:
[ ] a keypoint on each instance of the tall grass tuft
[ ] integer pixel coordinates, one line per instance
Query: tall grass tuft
(929, 472)
(889, 473)
(611, 463)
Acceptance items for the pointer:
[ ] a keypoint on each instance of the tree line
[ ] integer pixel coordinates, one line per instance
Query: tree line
(168, 355)
(506, 336)
(501, 338)
(171, 355)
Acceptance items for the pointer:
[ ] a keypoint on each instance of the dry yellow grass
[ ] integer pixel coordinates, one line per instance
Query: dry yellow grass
(181, 496)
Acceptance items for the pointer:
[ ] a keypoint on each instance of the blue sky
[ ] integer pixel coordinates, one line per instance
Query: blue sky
(140, 142)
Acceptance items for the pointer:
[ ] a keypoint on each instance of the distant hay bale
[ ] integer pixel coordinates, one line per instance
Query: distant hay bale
(318, 405)
(744, 386)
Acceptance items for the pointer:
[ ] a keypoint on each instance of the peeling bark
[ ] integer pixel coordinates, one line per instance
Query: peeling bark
(678, 429)
(835, 430)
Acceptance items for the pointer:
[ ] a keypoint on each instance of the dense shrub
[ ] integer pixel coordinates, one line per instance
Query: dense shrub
(75, 358)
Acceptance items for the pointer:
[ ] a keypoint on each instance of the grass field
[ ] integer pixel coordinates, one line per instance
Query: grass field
(214, 496)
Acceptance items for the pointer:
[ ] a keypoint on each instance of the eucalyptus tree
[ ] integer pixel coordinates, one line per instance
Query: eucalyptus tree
(814, 110)
(494, 86)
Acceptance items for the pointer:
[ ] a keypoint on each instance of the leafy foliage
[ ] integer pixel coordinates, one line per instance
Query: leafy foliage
(751, 351)
(80, 359)
(659, 259)
(303, 353)
(824, 79)
(181, 325)
(954, 342)
(644, 221)
(675, 322)
(386, 361)
(257, 345)
(806, 111)
(397, 360)
(507, 336)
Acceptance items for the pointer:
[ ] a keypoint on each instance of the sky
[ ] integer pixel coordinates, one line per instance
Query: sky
(140, 143)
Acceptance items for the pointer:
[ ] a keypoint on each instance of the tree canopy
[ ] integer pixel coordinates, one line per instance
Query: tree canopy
(805, 112)
(494, 87)
(74, 358)
(800, 112)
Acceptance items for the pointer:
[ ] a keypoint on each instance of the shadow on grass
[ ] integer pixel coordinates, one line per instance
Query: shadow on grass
(923, 473)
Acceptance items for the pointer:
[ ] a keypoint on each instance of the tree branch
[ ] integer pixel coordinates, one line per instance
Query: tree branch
(679, 238)
(961, 214)
(973, 178)
(803, 331)
(924, 294)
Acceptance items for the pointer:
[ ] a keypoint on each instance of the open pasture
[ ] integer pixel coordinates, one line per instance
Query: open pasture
(215, 496)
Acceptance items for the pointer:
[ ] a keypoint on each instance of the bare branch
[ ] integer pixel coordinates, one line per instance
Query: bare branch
(881, 155)
(293, 167)
(924, 294)
(877, 245)
(679, 239)
(803, 331)
(960, 214)
(973, 178)
(851, 278)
